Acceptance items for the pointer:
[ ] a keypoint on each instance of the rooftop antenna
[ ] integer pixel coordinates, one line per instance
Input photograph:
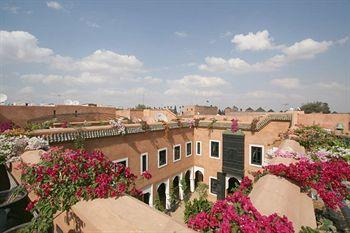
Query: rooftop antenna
(3, 98)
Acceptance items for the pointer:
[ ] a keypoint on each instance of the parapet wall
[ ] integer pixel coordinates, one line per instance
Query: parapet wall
(328, 121)
(21, 115)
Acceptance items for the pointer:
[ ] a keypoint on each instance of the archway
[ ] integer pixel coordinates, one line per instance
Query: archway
(176, 190)
(198, 178)
(146, 198)
(233, 183)
(188, 182)
(162, 195)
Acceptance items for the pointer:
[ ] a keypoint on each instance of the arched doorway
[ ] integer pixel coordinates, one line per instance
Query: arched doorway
(198, 178)
(188, 182)
(146, 198)
(162, 195)
(176, 190)
(233, 183)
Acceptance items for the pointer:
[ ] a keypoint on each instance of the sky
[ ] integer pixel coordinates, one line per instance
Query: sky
(270, 54)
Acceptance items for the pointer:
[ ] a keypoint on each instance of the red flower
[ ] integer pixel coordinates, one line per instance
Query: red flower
(147, 175)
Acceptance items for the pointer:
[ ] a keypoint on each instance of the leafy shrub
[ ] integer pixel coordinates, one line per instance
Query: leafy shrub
(195, 207)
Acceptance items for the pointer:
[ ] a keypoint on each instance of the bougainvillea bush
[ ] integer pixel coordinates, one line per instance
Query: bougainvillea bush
(236, 213)
(327, 178)
(64, 177)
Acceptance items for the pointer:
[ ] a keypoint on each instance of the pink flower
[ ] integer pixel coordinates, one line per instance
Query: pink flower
(147, 175)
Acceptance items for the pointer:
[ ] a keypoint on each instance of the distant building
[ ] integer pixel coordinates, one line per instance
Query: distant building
(249, 109)
(229, 110)
(260, 109)
(191, 110)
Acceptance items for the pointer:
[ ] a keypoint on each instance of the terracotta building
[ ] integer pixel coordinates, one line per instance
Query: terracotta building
(192, 110)
(209, 153)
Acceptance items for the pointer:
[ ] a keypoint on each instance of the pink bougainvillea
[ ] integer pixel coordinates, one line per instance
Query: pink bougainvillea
(146, 175)
(237, 213)
(64, 177)
(327, 178)
(234, 125)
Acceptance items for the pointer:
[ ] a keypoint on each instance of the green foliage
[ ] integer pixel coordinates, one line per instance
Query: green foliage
(142, 106)
(314, 137)
(42, 125)
(158, 204)
(195, 207)
(315, 107)
(174, 197)
(202, 190)
(308, 230)
(185, 188)
(211, 124)
(79, 142)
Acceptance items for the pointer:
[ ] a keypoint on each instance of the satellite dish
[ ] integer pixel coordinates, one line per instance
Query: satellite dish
(3, 98)
(68, 102)
(75, 102)
(161, 117)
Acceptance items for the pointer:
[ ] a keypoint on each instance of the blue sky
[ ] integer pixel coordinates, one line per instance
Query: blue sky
(249, 53)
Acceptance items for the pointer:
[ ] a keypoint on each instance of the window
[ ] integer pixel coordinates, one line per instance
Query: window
(198, 148)
(213, 185)
(214, 149)
(256, 155)
(123, 161)
(188, 149)
(144, 162)
(162, 157)
(177, 153)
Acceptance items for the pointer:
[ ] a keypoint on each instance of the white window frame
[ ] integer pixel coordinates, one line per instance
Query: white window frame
(262, 155)
(175, 160)
(212, 177)
(141, 162)
(200, 143)
(166, 157)
(186, 148)
(121, 160)
(210, 141)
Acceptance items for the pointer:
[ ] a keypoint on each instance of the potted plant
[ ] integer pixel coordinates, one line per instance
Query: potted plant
(13, 203)
(10, 148)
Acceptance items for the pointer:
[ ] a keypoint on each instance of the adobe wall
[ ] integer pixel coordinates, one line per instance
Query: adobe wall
(133, 145)
(267, 137)
(328, 121)
(21, 115)
(202, 110)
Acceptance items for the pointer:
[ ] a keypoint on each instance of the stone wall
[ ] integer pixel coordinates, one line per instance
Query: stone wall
(21, 115)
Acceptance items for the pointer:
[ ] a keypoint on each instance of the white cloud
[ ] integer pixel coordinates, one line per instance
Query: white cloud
(200, 81)
(218, 64)
(151, 80)
(255, 42)
(22, 46)
(287, 83)
(305, 49)
(11, 9)
(342, 40)
(26, 90)
(89, 23)
(83, 78)
(333, 86)
(181, 34)
(226, 34)
(261, 94)
(54, 5)
(196, 85)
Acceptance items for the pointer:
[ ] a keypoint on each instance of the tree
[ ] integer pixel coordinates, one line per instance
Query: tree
(315, 107)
